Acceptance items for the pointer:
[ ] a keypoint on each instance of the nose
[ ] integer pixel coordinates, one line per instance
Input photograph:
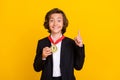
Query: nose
(55, 22)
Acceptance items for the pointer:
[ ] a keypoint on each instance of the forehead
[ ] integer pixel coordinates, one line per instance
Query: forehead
(56, 15)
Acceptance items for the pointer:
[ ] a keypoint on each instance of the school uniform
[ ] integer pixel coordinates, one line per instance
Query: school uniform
(71, 57)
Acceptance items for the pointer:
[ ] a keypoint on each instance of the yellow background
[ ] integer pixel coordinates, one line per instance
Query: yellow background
(21, 26)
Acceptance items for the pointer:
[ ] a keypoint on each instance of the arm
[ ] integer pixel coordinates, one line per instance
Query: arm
(42, 53)
(79, 52)
(38, 62)
(79, 57)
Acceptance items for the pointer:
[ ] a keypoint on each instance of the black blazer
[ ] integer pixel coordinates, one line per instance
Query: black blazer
(72, 57)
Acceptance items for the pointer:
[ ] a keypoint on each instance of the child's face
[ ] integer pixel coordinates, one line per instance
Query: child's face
(56, 23)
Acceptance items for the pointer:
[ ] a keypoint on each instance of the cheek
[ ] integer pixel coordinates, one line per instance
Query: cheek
(61, 24)
(50, 24)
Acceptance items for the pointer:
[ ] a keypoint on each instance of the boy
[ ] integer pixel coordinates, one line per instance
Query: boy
(57, 55)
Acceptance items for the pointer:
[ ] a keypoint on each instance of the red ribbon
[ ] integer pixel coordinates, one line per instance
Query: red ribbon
(57, 41)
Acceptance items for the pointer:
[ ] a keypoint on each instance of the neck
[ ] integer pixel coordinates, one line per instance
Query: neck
(56, 36)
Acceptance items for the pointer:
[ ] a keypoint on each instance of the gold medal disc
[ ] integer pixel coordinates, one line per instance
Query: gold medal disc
(54, 48)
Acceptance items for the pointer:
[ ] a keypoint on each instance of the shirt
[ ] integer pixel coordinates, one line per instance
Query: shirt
(56, 60)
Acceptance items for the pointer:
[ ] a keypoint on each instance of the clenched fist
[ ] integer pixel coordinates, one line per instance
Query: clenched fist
(46, 52)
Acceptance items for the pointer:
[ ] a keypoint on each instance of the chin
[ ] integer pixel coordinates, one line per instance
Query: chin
(55, 32)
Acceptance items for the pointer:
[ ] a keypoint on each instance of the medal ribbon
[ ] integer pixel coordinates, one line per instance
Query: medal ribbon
(57, 41)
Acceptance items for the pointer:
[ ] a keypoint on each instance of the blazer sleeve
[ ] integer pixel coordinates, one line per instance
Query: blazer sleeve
(38, 62)
(79, 57)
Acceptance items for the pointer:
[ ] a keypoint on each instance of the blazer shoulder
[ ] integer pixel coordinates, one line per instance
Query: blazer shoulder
(68, 39)
(44, 42)
(43, 39)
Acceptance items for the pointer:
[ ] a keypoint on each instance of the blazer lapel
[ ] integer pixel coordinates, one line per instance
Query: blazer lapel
(62, 52)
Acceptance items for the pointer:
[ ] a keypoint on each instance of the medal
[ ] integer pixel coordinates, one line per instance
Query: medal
(54, 47)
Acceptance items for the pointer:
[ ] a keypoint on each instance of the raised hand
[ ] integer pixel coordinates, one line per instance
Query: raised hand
(78, 40)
